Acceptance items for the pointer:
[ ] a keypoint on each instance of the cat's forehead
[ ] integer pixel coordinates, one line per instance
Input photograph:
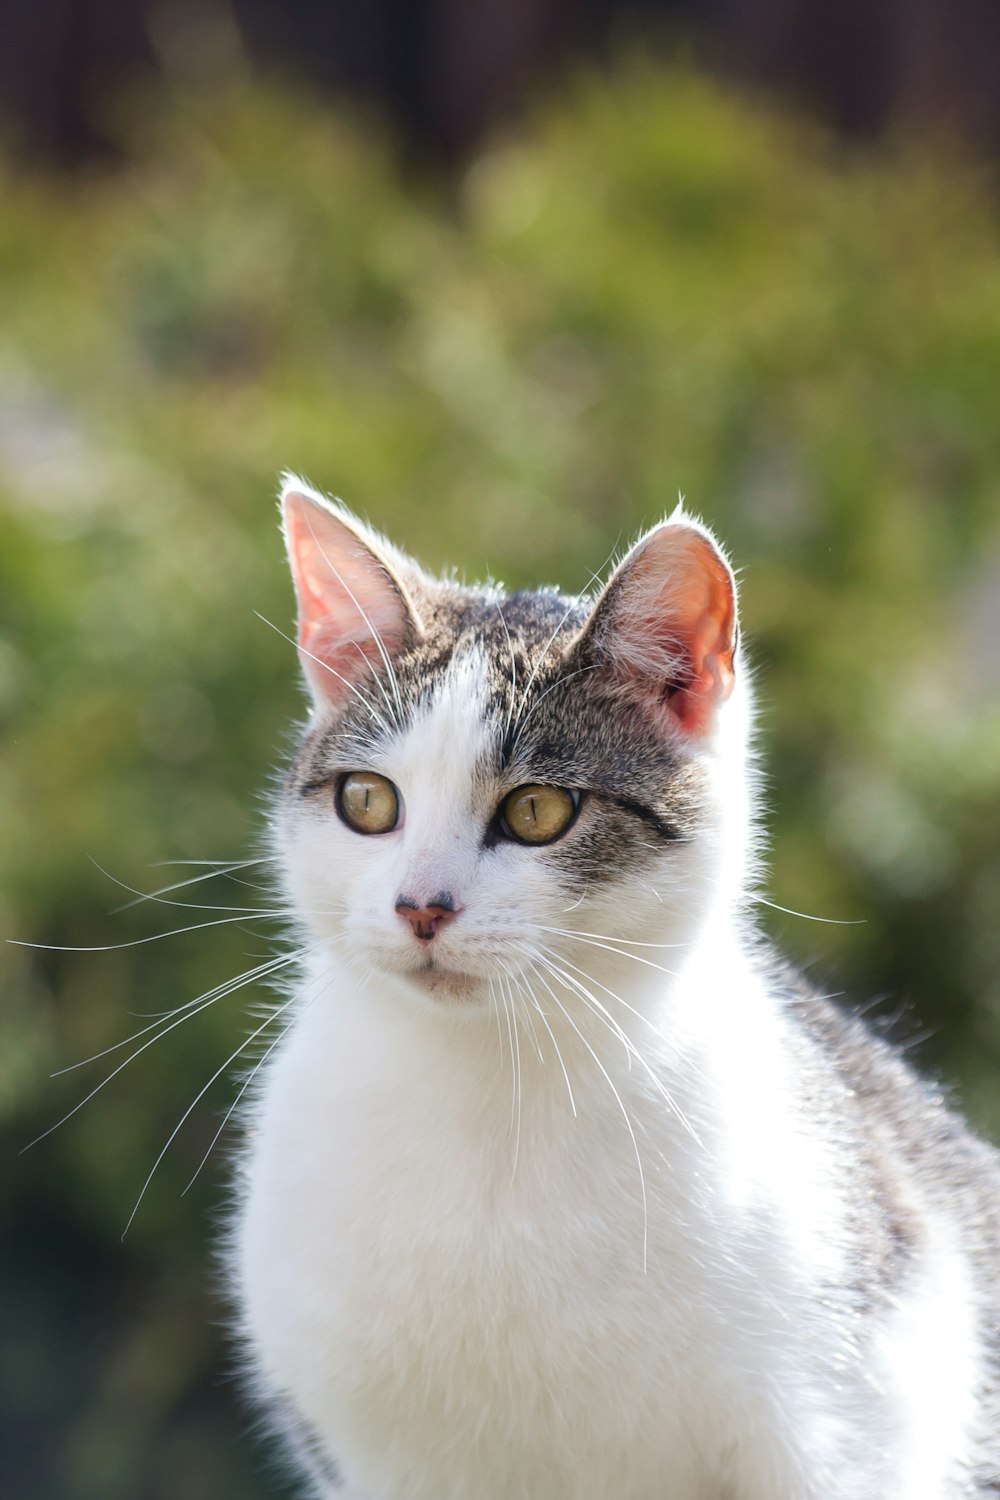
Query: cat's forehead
(451, 734)
(509, 638)
(482, 660)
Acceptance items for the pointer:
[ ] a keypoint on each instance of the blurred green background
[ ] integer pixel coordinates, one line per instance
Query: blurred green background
(652, 285)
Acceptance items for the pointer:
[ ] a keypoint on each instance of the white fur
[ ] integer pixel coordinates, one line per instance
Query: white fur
(474, 1288)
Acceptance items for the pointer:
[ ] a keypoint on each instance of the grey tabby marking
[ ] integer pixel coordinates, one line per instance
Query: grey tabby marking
(307, 1449)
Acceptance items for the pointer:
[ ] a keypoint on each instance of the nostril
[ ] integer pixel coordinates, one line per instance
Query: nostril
(426, 921)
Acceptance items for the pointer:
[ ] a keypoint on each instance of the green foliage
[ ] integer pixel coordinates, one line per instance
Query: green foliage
(656, 287)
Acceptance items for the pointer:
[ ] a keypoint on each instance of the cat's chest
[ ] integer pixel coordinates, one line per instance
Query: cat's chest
(413, 1258)
(372, 1176)
(423, 1251)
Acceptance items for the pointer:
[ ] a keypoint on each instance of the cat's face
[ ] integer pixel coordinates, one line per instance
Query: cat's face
(494, 787)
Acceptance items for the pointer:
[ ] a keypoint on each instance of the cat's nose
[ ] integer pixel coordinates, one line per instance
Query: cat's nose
(427, 920)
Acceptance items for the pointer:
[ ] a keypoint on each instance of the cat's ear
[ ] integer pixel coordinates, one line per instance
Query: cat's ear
(354, 612)
(665, 625)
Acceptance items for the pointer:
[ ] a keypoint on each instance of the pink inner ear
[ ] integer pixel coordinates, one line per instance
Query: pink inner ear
(673, 628)
(705, 626)
(349, 603)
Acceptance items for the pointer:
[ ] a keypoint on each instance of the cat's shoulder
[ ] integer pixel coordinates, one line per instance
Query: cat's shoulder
(871, 1074)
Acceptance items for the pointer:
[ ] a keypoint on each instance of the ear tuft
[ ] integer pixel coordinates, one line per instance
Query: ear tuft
(666, 624)
(354, 613)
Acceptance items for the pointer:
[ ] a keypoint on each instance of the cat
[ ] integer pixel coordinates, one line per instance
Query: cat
(560, 1184)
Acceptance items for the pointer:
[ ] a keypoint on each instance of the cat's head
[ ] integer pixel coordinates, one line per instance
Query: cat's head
(498, 789)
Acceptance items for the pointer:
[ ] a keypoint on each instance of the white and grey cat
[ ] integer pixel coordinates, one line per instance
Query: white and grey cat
(560, 1186)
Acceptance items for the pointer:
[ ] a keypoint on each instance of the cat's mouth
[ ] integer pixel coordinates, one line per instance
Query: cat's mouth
(436, 980)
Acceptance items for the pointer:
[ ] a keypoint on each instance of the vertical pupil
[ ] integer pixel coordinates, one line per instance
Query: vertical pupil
(534, 814)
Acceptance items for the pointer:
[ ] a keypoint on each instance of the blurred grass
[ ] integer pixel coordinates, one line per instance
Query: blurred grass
(655, 287)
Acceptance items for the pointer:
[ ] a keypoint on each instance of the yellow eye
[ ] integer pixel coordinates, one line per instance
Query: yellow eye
(538, 814)
(368, 803)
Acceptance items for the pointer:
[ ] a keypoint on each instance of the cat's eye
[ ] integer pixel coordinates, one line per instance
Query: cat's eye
(538, 814)
(368, 803)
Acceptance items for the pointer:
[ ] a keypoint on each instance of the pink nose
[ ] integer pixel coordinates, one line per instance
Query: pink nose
(426, 920)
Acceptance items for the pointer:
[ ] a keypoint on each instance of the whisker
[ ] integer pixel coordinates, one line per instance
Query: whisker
(590, 977)
(218, 992)
(494, 1006)
(625, 1115)
(162, 900)
(366, 702)
(513, 1070)
(154, 937)
(171, 1026)
(178, 885)
(197, 1100)
(517, 1076)
(545, 956)
(307, 1001)
(522, 984)
(632, 1050)
(606, 937)
(593, 942)
(255, 1070)
(512, 978)
(831, 921)
(229, 1112)
(218, 865)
